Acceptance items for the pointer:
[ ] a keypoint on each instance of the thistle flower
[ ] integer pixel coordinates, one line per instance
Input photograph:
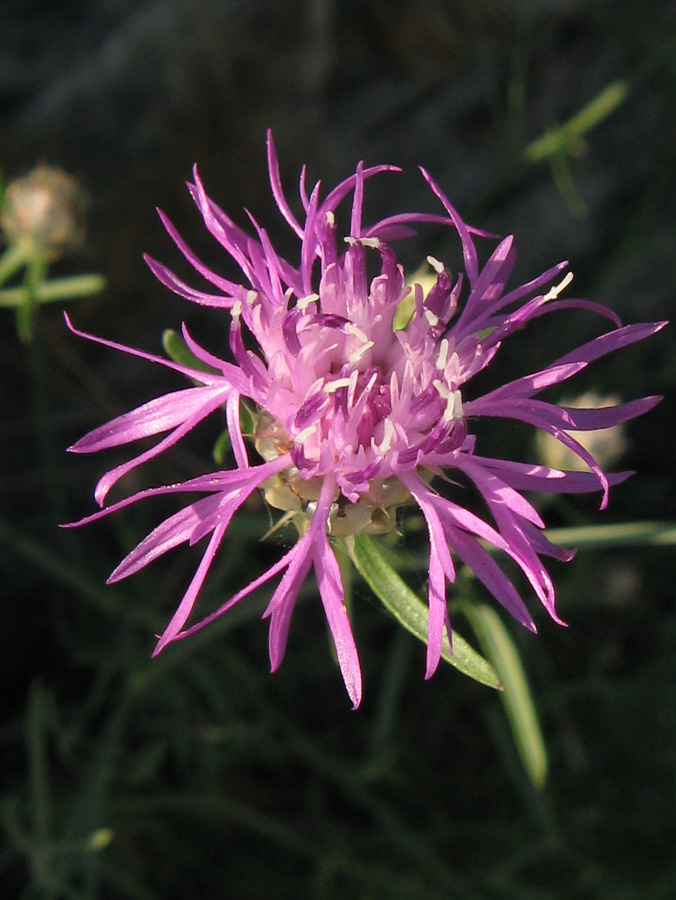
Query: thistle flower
(357, 416)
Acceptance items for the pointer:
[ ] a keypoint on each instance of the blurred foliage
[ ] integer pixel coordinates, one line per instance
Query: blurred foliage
(198, 774)
(41, 220)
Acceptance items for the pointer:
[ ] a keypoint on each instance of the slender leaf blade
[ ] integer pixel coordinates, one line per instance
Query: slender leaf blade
(411, 612)
(517, 700)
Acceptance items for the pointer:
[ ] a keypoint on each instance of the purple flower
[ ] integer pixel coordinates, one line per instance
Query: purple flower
(358, 414)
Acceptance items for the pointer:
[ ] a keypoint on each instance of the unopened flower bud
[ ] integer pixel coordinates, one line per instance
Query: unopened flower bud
(44, 212)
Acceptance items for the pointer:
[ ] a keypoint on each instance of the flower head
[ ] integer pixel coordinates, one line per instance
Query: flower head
(359, 413)
(44, 212)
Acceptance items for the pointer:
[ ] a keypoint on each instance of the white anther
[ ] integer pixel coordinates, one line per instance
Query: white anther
(453, 406)
(441, 389)
(251, 297)
(431, 318)
(236, 310)
(330, 219)
(388, 434)
(372, 380)
(303, 435)
(356, 332)
(442, 358)
(436, 265)
(354, 378)
(554, 292)
(303, 302)
(354, 357)
(334, 386)
(371, 243)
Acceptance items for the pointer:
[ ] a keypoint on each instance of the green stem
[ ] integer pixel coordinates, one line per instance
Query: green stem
(11, 261)
(626, 534)
(563, 138)
(53, 291)
(36, 750)
(36, 270)
(42, 418)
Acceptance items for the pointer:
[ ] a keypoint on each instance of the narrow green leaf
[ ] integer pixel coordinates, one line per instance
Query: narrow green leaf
(178, 351)
(564, 138)
(54, 291)
(626, 534)
(221, 447)
(11, 261)
(410, 611)
(517, 700)
(36, 747)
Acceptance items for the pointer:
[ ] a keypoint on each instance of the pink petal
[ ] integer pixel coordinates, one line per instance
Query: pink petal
(468, 249)
(333, 597)
(276, 185)
(489, 573)
(175, 530)
(235, 377)
(180, 617)
(168, 279)
(525, 386)
(531, 477)
(440, 567)
(151, 418)
(113, 476)
(611, 341)
(492, 486)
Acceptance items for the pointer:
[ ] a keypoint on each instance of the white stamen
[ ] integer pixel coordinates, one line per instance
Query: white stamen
(443, 391)
(303, 435)
(554, 292)
(372, 380)
(453, 406)
(356, 331)
(333, 386)
(371, 243)
(354, 377)
(354, 357)
(436, 265)
(431, 318)
(330, 219)
(386, 442)
(442, 359)
(251, 297)
(236, 309)
(303, 302)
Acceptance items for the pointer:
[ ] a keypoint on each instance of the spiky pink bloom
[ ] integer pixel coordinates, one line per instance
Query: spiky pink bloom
(357, 416)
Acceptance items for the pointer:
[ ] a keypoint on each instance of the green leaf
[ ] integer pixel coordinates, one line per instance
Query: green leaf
(516, 698)
(410, 611)
(178, 351)
(54, 291)
(565, 138)
(221, 447)
(13, 259)
(626, 534)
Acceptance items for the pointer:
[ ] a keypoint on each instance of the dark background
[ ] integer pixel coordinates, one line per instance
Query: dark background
(214, 778)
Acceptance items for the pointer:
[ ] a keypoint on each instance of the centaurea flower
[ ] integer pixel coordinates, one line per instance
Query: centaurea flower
(356, 416)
